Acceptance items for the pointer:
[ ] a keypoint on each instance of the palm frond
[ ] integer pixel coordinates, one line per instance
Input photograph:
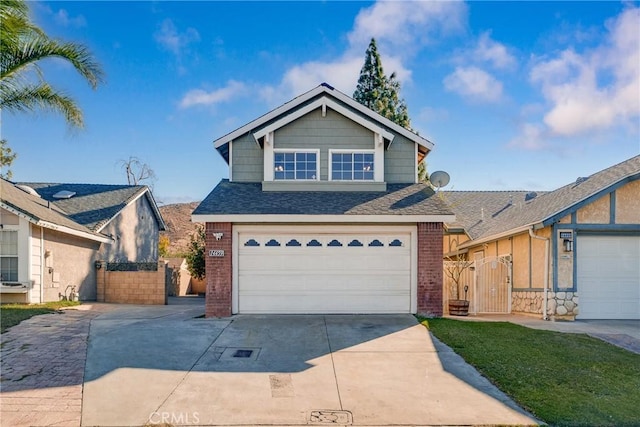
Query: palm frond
(41, 96)
(37, 48)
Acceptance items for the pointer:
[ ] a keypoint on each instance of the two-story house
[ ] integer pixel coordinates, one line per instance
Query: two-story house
(323, 213)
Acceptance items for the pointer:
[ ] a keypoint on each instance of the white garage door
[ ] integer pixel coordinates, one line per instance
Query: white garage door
(323, 272)
(609, 277)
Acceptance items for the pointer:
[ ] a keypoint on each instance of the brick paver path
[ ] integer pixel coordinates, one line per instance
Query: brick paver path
(42, 367)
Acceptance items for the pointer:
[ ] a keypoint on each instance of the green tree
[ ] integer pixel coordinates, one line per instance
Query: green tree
(7, 156)
(195, 254)
(382, 95)
(22, 46)
(163, 245)
(372, 82)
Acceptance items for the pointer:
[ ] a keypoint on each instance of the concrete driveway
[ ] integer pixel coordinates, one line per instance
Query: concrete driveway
(146, 365)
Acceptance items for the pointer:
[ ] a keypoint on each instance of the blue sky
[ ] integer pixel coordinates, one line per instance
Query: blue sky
(515, 95)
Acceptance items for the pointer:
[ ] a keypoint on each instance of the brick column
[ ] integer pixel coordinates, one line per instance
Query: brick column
(430, 266)
(101, 280)
(218, 270)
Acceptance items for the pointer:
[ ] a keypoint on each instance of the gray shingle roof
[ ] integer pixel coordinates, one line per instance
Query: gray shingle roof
(37, 208)
(241, 198)
(93, 205)
(500, 216)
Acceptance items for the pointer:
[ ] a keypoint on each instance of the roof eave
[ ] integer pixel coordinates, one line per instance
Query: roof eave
(498, 236)
(337, 218)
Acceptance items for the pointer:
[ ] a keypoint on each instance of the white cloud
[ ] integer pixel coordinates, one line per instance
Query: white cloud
(62, 18)
(400, 29)
(531, 137)
(597, 89)
(172, 40)
(489, 50)
(406, 23)
(200, 97)
(474, 83)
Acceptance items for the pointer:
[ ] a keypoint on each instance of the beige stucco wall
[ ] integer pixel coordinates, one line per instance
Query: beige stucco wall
(520, 261)
(628, 203)
(538, 258)
(450, 242)
(565, 263)
(596, 212)
(71, 263)
(136, 234)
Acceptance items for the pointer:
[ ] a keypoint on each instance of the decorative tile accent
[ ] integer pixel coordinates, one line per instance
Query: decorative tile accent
(396, 243)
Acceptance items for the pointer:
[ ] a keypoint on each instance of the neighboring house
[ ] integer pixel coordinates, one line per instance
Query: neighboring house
(580, 243)
(180, 276)
(323, 213)
(52, 235)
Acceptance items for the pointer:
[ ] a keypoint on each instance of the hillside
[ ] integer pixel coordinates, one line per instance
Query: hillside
(179, 226)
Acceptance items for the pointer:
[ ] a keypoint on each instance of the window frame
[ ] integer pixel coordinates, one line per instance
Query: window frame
(15, 256)
(352, 152)
(296, 151)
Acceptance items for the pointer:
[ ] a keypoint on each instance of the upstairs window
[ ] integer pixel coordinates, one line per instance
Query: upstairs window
(352, 166)
(8, 256)
(295, 165)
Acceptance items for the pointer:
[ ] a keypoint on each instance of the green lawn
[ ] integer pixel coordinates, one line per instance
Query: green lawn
(12, 314)
(563, 379)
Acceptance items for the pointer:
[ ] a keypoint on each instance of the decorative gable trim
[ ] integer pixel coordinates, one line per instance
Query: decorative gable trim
(323, 103)
(221, 143)
(589, 199)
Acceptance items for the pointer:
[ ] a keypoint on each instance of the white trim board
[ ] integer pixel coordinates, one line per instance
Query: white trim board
(329, 219)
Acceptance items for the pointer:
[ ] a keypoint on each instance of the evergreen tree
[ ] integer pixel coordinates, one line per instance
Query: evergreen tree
(382, 94)
(372, 82)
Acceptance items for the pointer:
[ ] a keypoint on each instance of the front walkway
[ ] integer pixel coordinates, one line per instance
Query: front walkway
(43, 362)
(621, 333)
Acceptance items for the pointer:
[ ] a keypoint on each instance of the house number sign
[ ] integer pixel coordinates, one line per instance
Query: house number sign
(216, 253)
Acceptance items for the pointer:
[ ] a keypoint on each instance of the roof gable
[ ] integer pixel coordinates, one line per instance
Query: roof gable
(484, 214)
(42, 212)
(95, 205)
(323, 96)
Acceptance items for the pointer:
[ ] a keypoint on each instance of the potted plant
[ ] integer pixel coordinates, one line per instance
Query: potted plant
(454, 267)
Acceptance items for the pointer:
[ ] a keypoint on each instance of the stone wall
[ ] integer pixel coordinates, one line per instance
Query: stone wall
(563, 305)
(527, 302)
(560, 305)
(132, 287)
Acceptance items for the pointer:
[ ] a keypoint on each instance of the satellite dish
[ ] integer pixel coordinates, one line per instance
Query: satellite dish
(439, 179)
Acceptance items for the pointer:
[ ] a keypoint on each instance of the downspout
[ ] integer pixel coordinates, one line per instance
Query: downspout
(546, 271)
(41, 265)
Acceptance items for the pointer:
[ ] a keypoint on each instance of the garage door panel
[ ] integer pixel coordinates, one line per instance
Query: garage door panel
(324, 272)
(302, 304)
(609, 277)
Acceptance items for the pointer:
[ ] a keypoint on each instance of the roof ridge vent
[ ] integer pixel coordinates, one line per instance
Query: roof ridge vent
(64, 194)
(581, 179)
(28, 190)
(530, 196)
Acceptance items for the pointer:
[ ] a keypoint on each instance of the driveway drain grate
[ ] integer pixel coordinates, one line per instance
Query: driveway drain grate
(243, 353)
(331, 417)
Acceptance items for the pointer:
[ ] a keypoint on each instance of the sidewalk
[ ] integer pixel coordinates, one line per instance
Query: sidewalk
(621, 333)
